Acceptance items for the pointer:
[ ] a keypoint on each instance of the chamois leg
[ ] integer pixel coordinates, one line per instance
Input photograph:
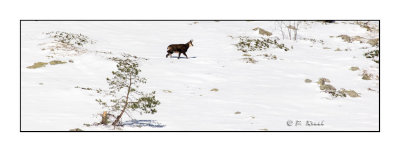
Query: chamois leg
(179, 55)
(167, 55)
(185, 55)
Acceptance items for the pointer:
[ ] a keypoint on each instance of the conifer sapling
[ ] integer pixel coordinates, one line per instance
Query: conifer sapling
(123, 90)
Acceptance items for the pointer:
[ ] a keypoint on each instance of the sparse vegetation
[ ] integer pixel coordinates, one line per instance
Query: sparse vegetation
(83, 88)
(366, 75)
(37, 65)
(327, 88)
(345, 38)
(322, 81)
(350, 93)
(54, 62)
(373, 42)
(76, 129)
(43, 64)
(247, 44)
(330, 89)
(314, 40)
(367, 26)
(66, 41)
(71, 39)
(354, 68)
(374, 55)
(262, 31)
(167, 91)
(214, 89)
(348, 39)
(270, 56)
(307, 81)
(250, 60)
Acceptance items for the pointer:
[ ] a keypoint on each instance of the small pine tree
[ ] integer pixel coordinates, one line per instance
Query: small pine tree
(124, 91)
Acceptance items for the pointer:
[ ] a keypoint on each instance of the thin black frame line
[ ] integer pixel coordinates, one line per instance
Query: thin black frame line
(20, 76)
(197, 20)
(379, 71)
(204, 131)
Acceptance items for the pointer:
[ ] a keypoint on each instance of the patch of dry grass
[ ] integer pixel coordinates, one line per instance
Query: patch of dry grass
(354, 68)
(37, 65)
(55, 62)
(262, 31)
(214, 89)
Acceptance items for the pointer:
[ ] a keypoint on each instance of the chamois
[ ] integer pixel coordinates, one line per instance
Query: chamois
(179, 48)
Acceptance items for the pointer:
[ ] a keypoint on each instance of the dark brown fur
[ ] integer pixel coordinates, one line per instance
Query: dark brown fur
(179, 48)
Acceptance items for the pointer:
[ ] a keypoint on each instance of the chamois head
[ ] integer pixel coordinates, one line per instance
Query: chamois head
(190, 43)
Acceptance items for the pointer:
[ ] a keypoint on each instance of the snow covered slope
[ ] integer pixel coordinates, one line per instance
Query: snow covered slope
(267, 95)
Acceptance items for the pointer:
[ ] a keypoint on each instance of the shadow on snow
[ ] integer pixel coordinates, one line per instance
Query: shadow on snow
(183, 57)
(143, 123)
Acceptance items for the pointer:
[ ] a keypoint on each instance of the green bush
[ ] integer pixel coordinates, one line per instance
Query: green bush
(374, 55)
(70, 38)
(247, 44)
(124, 90)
